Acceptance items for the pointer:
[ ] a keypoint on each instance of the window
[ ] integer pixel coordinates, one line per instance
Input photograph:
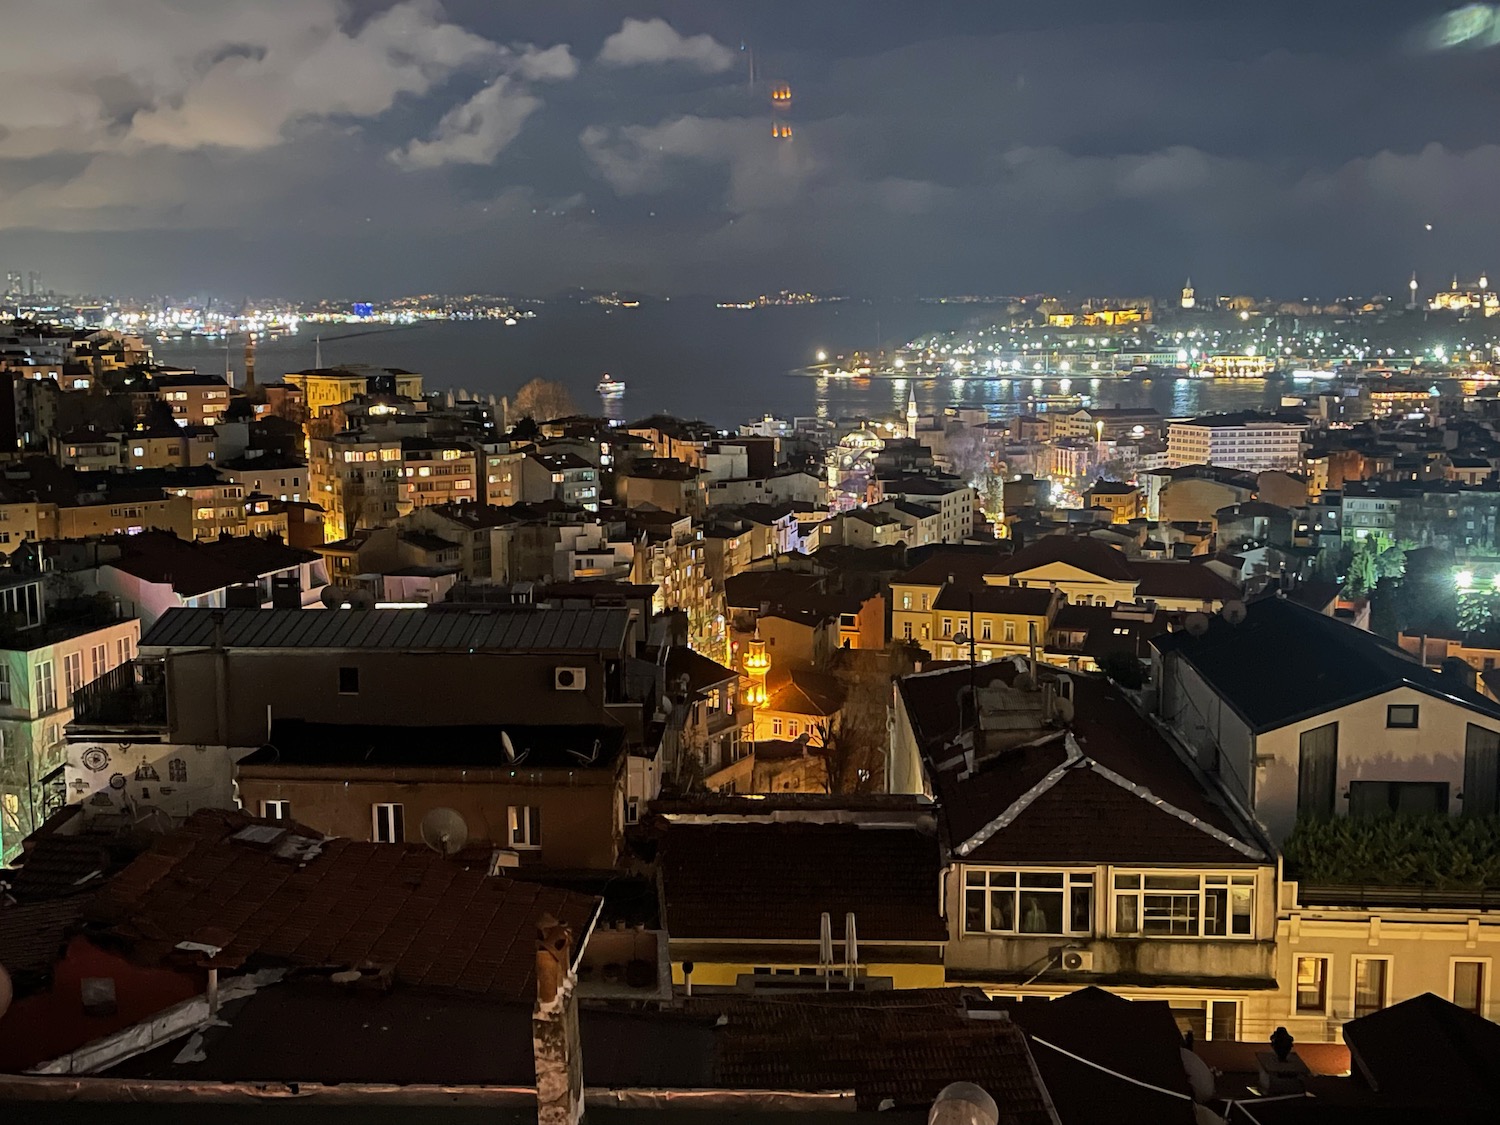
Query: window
(986, 630)
(122, 650)
(1009, 632)
(525, 826)
(793, 729)
(1406, 798)
(1468, 986)
(1371, 984)
(632, 810)
(72, 674)
(348, 681)
(4, 683)
(947, 626)
(98, 658)
(1185, 905)
(1028, 902)
(906, 604)
(282, 810)
(46, 687)
(775, 728)
(1402, 715)
(1312, 985)
(389, 823)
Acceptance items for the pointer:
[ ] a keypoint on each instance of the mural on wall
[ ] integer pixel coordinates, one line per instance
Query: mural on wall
(137, 776)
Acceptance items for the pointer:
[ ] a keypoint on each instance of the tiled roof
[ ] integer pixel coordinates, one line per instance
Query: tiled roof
(1028, 601)
(752, 589)
(774, 881)
(1286, 662)
(32, 934)
(966, 564)
(1165, 579)
(901, 1046)
(1083, 553)
(515, 630)
(1426, 1051)
(804, 692)
(701, 672)
(58, 866)
(1083, 815)
(438, 924)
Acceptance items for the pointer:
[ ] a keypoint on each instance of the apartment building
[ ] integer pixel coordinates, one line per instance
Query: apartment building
(358, 479)
(438, 472)
(324, 388)
(47, 653)
(1247, 441)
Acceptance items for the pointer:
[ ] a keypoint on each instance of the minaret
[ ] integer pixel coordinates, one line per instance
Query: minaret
(757, 664)
(911, 414)
(250, 363)
(1412, 284)
(1188, 299)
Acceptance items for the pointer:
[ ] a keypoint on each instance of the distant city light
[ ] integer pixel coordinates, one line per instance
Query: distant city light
(822, 356)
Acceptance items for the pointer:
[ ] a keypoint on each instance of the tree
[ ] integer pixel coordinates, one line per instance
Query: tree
(542, 399)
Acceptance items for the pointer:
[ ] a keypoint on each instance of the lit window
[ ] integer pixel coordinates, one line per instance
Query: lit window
(1401, 715)
(1312, 985)
(525, 823)
(1028, 902)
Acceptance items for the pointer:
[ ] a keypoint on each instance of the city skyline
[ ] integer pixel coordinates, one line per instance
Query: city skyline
(314, 148)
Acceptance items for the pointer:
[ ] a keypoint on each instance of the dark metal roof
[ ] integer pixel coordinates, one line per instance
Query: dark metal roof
(504, 628)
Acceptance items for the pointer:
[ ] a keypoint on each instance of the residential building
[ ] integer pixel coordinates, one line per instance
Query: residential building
(438, 472)
(1122, 501)
(1089, 572)
(565, 477)
(1246, 441)
(551, 795)
(282, 478)
(358, 479)
(47, 653)
(1078, 849)
(1302, 716)
(211, 681)
(328, 387)
(664, 484)
(951, 497)
(194, 399)
(990, 621)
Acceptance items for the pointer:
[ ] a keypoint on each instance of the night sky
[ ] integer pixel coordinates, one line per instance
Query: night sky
(308, 147)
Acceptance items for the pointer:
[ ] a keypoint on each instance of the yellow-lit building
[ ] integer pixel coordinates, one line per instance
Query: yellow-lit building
(438, 472)
(1122, 501)
(326, 387)
(357, 479)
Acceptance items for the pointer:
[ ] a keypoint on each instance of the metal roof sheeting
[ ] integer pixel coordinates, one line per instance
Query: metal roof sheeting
(506, 629)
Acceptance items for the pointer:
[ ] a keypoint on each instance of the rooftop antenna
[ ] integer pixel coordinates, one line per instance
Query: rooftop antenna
(444, 831)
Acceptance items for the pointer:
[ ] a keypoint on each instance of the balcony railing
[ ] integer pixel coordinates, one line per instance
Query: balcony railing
(134, 694)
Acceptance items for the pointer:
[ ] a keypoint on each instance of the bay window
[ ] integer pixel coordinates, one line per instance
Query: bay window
(1184, 905)
(1028, 902)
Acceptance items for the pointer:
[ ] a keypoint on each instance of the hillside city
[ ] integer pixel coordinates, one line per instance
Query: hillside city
(787, 767)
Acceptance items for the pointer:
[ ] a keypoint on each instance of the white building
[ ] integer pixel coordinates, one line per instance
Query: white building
(1247, 441)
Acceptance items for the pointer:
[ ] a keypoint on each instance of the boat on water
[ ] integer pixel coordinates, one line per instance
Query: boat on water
(610, 387)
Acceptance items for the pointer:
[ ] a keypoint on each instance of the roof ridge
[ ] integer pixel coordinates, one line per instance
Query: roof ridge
(1183, 815)
(1024, 801)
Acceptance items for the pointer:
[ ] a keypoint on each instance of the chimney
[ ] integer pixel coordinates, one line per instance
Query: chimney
(554, 1027)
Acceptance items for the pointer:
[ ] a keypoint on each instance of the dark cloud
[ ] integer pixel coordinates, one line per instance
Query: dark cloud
(305, 145)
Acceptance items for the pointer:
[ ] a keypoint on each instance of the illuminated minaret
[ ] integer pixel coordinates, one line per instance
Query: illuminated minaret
(757, 664)
(1412, 284)
(911, 414)
(1188, 299)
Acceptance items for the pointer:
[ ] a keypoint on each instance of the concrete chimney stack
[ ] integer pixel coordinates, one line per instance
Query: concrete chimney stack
(554, 1027)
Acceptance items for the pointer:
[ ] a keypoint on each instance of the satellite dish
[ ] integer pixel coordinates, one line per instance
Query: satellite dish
(1233, 612)
(1196, 624)
(444, 830)
(151, 818)
(1064, 710)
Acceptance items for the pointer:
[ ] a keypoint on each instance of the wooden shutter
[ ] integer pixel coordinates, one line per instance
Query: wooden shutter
(1481, 771)
(1317, 771)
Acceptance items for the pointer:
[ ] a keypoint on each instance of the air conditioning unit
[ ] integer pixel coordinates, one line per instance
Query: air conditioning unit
(569, 679)
(1077, 961)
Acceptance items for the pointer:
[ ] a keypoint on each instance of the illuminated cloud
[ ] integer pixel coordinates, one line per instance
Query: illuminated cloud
(477, 131)
(655, 41)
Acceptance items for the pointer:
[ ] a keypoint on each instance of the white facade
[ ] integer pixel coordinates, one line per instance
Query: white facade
(1252, 446)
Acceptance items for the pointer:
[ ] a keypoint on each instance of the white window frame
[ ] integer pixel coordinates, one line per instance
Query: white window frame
(72, 674)
(1072, 878)
(1310, 1013)
(1390, 976)
(632, 810)
(276, 808)
(1206, 879)
(43, 675)
(5, 689)
(1486, 981)
(390, 815)
(522, 828)
(98, 660)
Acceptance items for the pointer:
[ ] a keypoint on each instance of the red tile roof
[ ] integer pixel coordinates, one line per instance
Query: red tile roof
(774, 881)
(1164, 579)
(439, 924)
